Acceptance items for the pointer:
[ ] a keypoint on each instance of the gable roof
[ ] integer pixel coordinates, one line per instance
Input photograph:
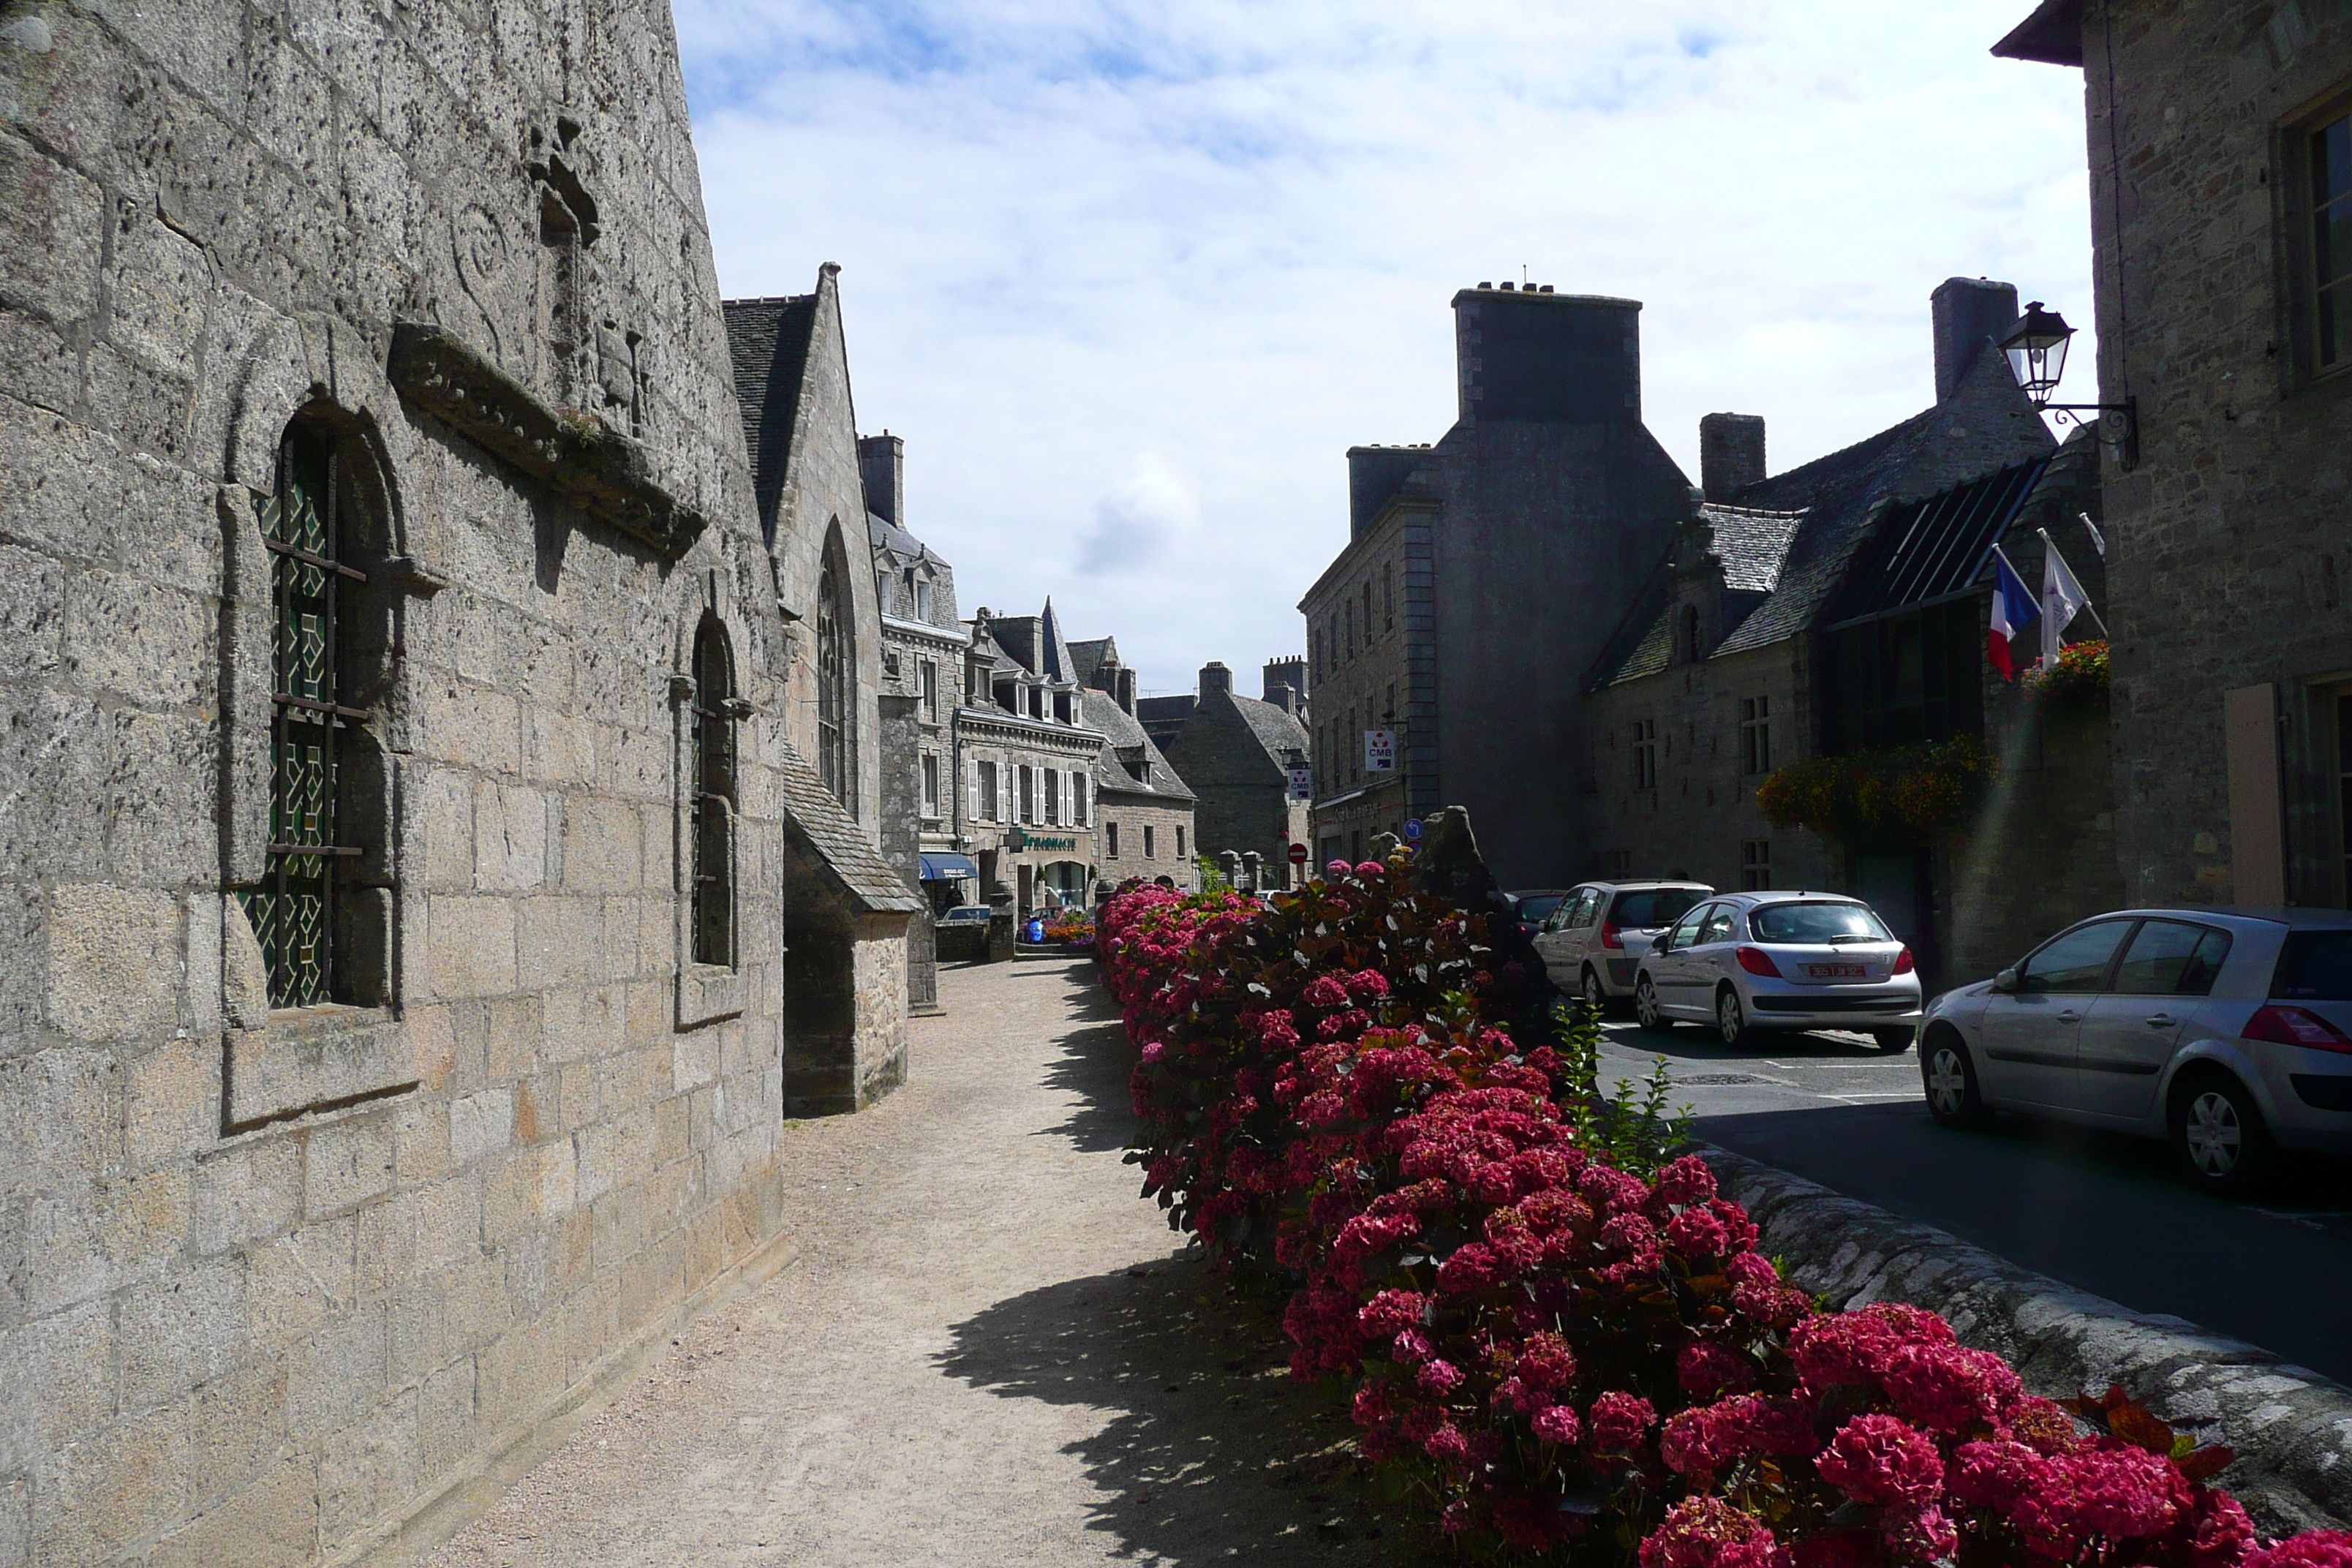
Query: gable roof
(768, 347)
(1748, 545)
(1126, 740)
(1276, 730)
(1089, 655)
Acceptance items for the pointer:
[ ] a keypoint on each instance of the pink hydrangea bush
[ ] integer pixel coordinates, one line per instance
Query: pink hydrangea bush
(1560, 1356)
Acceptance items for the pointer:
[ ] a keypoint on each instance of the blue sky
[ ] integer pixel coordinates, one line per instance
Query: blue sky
(1129, 278)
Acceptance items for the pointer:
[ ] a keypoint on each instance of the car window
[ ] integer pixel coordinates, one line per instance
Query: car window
(1687, 932)
(2315, 966)
(1579, 912)
(2076, 961)
(1538, 910)
(1717, 926)
(2171, 958)
(1650, 907)
(1816, 922)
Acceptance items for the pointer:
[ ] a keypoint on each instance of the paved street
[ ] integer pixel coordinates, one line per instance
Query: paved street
(2098, 1211)
(989, 1352)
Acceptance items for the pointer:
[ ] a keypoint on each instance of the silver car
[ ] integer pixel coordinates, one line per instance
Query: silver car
(1591, 943)
(2227, 1031)
(1750, 962)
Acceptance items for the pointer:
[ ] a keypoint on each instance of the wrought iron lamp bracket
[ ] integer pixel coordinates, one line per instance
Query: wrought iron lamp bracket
(2124, 417)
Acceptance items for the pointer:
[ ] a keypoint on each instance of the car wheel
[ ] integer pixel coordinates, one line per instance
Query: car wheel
(1731, 1020)
(1950, 1080)
(2217, 1132)
(1596, 1000)
(1645, 1007)
(1893, 1041)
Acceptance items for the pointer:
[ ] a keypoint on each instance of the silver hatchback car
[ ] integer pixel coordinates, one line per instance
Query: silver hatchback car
(1748, 962)
(2227, 1031)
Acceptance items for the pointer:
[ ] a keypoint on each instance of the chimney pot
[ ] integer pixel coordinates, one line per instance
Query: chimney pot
(1484, 283)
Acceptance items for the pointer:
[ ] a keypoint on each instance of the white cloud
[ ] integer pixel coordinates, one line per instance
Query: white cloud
(1073, 231)
(1154, 505)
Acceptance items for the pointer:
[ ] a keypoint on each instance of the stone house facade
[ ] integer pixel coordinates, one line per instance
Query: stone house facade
(1026, 756)
(1548, 497)
(407, 804)
(2220, 138)
(1369, 636)
(1143, 812)
(923, 648)
(1839, 608)
(1236, 754)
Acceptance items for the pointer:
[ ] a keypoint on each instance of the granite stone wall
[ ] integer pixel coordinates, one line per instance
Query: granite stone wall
(2229, 552)
(273, 1280)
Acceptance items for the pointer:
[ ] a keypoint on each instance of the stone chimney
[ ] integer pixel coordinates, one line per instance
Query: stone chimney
(1968, 313)
(1285, 683)
(1216, 677)
(1534, 355)
(1127, 689)
(1730, 453)
(882, 463)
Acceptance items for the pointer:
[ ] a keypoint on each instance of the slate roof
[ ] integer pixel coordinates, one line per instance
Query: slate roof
(884, 534)
(1272, 728)
(768, 346)
(831, 838)
(1127, 739)
(1088, 656)
(1751, 544)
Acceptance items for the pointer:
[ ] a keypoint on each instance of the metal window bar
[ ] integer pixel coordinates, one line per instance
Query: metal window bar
(293, 911)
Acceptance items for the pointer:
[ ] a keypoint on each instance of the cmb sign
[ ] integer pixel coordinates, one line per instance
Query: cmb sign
(1380, 750)
(1302, 782)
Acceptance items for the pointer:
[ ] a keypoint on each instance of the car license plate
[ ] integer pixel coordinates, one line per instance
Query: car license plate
(1836, 971)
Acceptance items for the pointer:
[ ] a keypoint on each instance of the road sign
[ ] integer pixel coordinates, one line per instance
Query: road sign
(1299, 854)
(1412, 827)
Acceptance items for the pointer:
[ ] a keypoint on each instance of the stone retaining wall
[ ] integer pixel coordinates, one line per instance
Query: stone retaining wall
(2291, 1428)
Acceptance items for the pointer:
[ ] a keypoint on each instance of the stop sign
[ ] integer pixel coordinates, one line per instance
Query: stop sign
(1299, 854)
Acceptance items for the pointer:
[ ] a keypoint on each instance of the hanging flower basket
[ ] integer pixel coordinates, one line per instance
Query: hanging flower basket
(2078, 681)
(1918, 788)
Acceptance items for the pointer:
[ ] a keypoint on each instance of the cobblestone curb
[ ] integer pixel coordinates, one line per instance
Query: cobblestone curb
(2291, 1429)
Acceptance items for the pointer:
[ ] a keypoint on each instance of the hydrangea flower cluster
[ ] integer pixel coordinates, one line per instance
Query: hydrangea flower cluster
(1560, 1356)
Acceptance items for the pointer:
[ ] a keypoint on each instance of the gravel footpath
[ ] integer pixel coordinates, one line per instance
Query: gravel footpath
(989, 1352)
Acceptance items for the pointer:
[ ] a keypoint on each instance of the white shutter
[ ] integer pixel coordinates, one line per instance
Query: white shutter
(972, 789)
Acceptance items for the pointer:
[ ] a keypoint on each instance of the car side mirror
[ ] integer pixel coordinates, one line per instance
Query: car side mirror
(2005, 982)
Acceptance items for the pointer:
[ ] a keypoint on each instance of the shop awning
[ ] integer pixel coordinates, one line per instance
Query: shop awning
(948, 868)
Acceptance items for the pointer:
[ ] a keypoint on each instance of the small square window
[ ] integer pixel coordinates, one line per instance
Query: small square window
(1755, 865)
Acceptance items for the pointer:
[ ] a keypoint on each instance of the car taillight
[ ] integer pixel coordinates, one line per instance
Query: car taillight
(1903, 965)
(1756, 961)
(2285, 1026)
(1609, 938)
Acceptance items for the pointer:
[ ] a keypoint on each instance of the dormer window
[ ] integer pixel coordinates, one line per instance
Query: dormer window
(922, 601)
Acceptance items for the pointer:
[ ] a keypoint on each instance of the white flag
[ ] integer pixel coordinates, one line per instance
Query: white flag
(2098, 539)
(2062, 599)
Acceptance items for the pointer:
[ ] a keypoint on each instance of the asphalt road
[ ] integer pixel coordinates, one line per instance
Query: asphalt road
(2099, 1211)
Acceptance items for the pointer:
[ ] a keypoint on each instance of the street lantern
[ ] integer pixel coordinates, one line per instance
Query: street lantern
(2036, 348)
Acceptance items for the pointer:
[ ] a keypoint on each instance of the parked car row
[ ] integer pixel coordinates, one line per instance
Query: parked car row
(2227, 1032)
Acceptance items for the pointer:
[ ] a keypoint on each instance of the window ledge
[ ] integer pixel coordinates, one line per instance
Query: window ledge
(313, 1059)
(707, 993)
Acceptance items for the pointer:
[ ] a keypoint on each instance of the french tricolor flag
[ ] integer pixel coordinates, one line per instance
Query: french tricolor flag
(2012, 606)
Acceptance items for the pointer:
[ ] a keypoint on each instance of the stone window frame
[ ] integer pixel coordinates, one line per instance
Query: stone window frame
(2295, 167)
(1755, 865)
(931, 807)
(705, 993)
(1180, 841)
(1646, 753)
(926, 684)
(1150, 850)
(1110, 840)
(712, 791)
(280, 1063)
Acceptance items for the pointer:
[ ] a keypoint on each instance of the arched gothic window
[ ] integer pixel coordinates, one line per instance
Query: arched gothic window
(714, 800)
(833, 737)
(293, 912)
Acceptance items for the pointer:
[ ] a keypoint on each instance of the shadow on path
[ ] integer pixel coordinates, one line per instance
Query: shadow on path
(1211, 1452)
(1093, 1064)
